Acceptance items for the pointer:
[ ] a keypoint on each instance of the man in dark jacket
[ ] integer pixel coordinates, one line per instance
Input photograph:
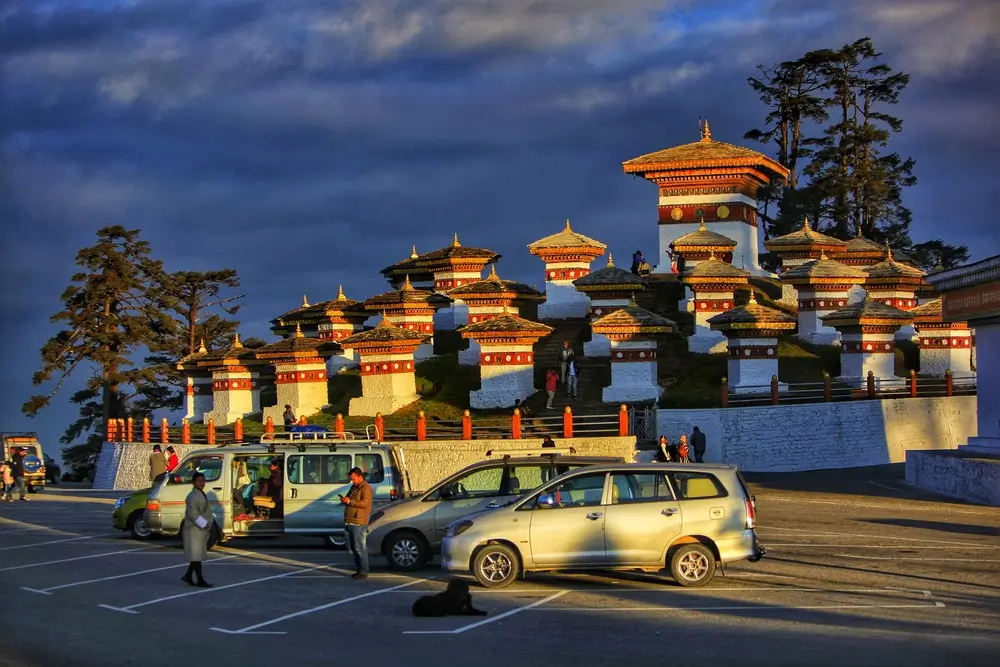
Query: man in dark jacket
(698, 443)
(357, 509)
(17, 471)
(157, 463)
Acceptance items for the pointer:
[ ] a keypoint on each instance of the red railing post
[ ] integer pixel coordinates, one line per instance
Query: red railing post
(210, 432)
(466, 426)
(379, 425)
(515, 424)
(130, 430)
(949, 386)
(827, 387)
(871, 384)
(725, 392)
(774, 390)
(145, 429)
(185, 432)
(338, 423)
(623, 420)
(121, 431)
(238, 430)
(269, 426)
(421, 426)
(109, 427)
(913, 383)
(568, 422)
(164, 431)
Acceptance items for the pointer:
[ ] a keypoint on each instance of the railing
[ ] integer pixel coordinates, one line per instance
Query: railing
(848, 389)
(515, 426)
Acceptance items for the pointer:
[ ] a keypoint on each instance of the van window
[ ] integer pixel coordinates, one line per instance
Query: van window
(639, 488)
(481, 483)
(210, 466)
(319, 469)
(371, 466)
(580, 491)
(697, 485)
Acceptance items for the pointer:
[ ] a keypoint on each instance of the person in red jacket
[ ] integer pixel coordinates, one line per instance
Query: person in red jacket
(551, 382)
(172, 459)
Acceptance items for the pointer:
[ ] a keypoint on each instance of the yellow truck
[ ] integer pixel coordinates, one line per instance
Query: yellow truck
(34, 460)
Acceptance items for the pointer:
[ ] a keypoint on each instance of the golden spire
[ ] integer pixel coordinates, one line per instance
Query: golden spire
(385, 321)
(888, 253)
(711, 254)
(493, 273)
(237, 345)
(860, 235)
(340, 293)
(568, 228)
(298, 330)
(805, 224)
(702, 226)
(305, 301)
(406, 284)
(611, 261)
(631, 300)
(413, 252)
(505, 310)
(753, 297)
(201, 348)
(454, 242)
(822, 253)
(706, 133)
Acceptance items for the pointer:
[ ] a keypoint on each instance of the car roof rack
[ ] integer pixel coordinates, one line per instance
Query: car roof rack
(545, 451)
(19, 434)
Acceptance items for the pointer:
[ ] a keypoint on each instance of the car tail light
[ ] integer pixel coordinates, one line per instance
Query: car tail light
(751, 514)
(393, 494)
(153, 505)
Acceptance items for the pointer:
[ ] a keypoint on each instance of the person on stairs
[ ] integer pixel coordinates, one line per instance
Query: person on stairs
(198, 523)
(566, 355)
(572, 376)
(551, 382)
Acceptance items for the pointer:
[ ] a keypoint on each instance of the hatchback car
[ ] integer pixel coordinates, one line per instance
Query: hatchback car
(688, 518)
(409, 532)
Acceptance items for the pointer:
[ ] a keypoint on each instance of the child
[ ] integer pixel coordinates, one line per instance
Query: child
(682, 450)
(7, 477)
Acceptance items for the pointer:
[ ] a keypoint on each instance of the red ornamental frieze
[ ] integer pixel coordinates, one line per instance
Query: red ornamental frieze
(422, 327)
(943, 343)
(822, 304)
(451, 283)
(475, 318)
(386, 367)
(506, 359)
(336, 334)
(896, 302)
(234, 384)
(566, 274)
(869, 347)
(297, 377)
(630, 356)
(677, 214)
(713, 305)
(754, 352)
(200, 389)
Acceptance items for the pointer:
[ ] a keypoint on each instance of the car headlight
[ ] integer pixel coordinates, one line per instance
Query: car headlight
(375, 517)
(120, 502)
(456, 529)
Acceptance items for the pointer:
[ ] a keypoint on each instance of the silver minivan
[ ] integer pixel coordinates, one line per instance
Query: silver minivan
(315, 468)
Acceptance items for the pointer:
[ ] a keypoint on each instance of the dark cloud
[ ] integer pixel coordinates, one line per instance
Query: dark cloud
(309, 144)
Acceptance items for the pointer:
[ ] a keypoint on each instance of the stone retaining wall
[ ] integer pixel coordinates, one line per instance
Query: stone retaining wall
(960, 474)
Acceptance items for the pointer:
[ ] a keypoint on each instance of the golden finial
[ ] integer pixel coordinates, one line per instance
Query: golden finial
(505, 310)
(568, 228)
(237, 345)
(702, 226)
(493, 273)
(860, 235)
(413, 252)
(305, 301)
(454, 242)
(632, 301)
(611, 261)
(340, 293)
(805, 224)
(385, 321)
(711, 255)
(753, 297)
(201, 348)
(888, 253)
(407, 286)
(822, 253)
(298, 330)
(706, 133)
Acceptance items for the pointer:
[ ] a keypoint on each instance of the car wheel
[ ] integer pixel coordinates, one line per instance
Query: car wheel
(496, 566)
(335, 541)
(405, 551)
(138, 527)
(693, 565)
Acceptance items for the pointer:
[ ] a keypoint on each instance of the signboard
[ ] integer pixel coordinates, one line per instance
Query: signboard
(969, 303)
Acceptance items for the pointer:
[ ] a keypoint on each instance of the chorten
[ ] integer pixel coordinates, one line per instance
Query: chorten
(411, 309)
(895, 284)
(695, 248)
(944, 346)
(506, 359)
(752, 331)
(235, 378)
(861, 252)
(198, 393)
(608, 289)
(490, 298)
(823, 285)
(867, 331)
(634, 334)
(329, 320)
(304, 317)
(714, 284)
(711, 181)
(300, 373)
(387, 365)
(803, 245)
(567, 256)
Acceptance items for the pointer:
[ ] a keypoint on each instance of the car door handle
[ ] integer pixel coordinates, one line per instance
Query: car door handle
(595, 515)
(217, 488)
(295, 493)
(669, 511)
(493, 505)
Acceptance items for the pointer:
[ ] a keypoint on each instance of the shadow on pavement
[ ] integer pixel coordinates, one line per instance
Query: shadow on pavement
(962, 528)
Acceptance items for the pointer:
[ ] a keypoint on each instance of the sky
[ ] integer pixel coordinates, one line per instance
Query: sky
(310, 143)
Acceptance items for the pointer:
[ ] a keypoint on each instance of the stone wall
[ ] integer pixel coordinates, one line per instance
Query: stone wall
(962, 475)
(125, 466)
(786, 438)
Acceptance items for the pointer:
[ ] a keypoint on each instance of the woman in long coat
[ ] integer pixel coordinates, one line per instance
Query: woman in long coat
(195, 536)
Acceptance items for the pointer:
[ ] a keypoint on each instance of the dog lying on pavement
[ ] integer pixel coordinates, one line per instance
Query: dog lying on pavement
(455, 600)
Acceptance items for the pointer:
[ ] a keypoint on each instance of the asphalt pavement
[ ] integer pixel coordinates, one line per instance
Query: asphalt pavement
(860, 570)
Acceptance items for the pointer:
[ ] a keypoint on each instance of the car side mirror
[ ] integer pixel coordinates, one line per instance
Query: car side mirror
(446, 493)
(545, 500)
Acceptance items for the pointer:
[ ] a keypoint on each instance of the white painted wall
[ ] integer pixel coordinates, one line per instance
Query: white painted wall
(745, 254)
(562, 300)
(787, 438)
(856, 364)
(503, 384)
(229, 405)
(384, 393)
(306, 398)
(937, 359)
(749, 375)
(632, 381)
(988, 377)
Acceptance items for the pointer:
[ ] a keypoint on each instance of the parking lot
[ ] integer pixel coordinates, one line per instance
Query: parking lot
(859, 571)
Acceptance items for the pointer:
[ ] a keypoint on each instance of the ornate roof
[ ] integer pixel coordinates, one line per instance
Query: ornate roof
(494, 285)
(714, 268)
(611, 276)
(867, 312)
(233, 355)
(702, 238)
(407, 294)
(297, 346)
(191, 360)
(890, 268)
(928, 312)
(823, 268)
(860, 245)
(386, 332)
(439, 259)
(704, 153)
(804, 237)
(751, 316)
(633, 320)
(506, 323)
(567, 238)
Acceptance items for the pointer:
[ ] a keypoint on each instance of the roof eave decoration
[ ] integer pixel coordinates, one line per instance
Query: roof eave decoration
(506, 325)
(566, 240)
(633, 320)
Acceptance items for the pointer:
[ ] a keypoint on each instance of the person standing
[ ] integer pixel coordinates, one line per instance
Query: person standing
(683, 451)
(662, 452)
(699, 443)
(17, 472)
(551, 381)
(566, 355)
(172, 459)
(198, 522)
(357, 509)
(7, 478)
(288, 416)
(157, 463)
(572, 376)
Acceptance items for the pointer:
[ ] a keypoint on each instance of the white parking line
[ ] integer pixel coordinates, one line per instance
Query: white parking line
(42, 544)
(70, 560)
(959, 560)
(473, 626)
(131, 608)
(48, 591)
(929, 505)
(760, 608)
(252, 629)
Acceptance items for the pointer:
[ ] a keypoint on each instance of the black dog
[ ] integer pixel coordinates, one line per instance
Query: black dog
(454, 601)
